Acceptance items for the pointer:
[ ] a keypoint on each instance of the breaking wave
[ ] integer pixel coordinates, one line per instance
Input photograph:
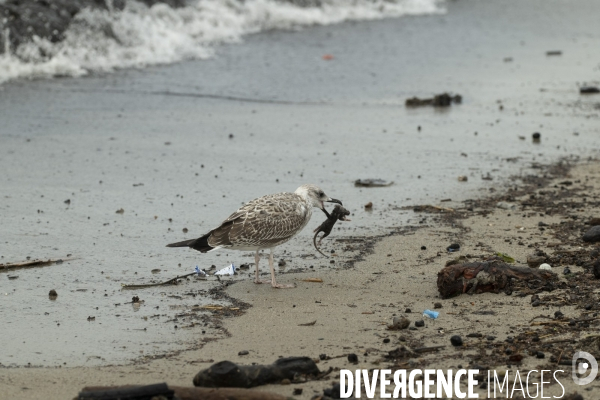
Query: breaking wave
(101, 40)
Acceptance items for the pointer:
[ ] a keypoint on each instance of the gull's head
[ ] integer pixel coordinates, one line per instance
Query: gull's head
(315, 196)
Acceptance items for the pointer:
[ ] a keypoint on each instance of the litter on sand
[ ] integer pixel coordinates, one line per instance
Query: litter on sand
(431, 314)
(230, 270)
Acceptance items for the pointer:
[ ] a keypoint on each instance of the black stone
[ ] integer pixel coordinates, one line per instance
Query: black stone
(536, 136)
(539, 354)
(420, 323)
(408, 311)
(453, 247)
(353, 358)
(386, 340)
(596, 269)
(456, 340)
(592, 235)
(566, 271)
(229, 374)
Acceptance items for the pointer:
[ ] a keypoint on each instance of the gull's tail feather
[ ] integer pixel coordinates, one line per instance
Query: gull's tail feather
(200, 244)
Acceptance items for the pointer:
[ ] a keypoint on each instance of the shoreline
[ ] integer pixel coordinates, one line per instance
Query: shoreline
(353, 306)
(141, 167)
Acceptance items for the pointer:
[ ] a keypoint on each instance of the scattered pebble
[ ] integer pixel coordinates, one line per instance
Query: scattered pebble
(369, 205)
(52, 294)
(399, 323)
(463, 178)
(589, 90)
(456, 340)
(243, 353)
(539, 354)
(453, 247)
(297, 391)
(567, 271)
(437, 305)
(420, 323)
(119, 211)
(386, 340)
(592, 235)
(423, 248)
(353, 358)
(545, 266)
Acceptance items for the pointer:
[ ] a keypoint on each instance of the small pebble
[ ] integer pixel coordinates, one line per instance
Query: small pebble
(243, 353)
(536, 136)
(545, 266)
(420, 323)
(437, 305)
(52, 293)
(539, 354)
(456, 340)
(297, 391)
(386, 340)
(423, 248)
(566, 271)
(408, 311)
(353, 358)
(453, 247)
(535, 303)
(558, 314)
(323, 356)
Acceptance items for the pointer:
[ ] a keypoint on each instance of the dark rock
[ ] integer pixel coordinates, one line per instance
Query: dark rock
(596, 269)
(595, 221)
(453, 247)
(437, 305)
(567, 271)
(423, 248)
(589, 90)
(558, 314)
(323, 357)
(536, 303)
(508, 351)
(228, 374)
(440, 100)
(353, 358)
(420, 323)
(52, 294)
(386, 340)
(539, 354)
(588, 307)
(456, 340)
(490, 338)
(536, 136)
(333, 392)
(408, 311)
(592, 235)
(535, 261)
(243, 353)
(297, 391)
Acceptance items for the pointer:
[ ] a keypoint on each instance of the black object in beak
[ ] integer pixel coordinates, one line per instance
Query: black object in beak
(334, 201)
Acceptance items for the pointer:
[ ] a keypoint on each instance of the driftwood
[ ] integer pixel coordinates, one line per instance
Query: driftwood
(491, 275)
(180, 393)
(33, 263)
(228, 374)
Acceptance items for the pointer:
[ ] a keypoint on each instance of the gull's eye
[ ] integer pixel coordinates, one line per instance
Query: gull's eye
(321, 194)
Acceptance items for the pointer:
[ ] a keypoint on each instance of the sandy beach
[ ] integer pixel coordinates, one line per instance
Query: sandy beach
(103, 171)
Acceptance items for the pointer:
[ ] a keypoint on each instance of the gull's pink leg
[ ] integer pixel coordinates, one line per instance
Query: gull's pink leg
(273, 282)
(256, 260)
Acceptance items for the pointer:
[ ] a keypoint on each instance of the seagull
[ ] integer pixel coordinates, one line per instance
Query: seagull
(264, 223)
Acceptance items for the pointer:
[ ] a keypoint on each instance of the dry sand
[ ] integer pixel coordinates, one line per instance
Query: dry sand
(353, 306)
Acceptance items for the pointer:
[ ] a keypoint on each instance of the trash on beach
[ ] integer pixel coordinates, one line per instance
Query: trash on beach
(228, 374)
(229, 270)
(506, 258)
(589, 90)
(439, 100)
(313, 280)
(199, 272)
(491, 275)
(506, 205)
(372, 183)
(431, 314)
(338, 213)
(546, 267)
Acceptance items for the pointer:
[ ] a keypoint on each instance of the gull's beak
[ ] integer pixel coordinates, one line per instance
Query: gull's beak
(330, 200)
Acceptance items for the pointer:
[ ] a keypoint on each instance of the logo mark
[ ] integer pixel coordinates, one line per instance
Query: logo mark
(581, 368)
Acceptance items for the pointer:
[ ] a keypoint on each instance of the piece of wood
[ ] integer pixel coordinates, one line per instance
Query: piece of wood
(33, 263)
(491, 275)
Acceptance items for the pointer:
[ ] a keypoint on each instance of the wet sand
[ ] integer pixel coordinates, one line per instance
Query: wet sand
(159, 126)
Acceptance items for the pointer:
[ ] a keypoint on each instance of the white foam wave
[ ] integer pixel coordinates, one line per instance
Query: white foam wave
(138, 36)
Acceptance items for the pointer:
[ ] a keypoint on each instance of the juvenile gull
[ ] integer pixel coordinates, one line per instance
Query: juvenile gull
(263, 223)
